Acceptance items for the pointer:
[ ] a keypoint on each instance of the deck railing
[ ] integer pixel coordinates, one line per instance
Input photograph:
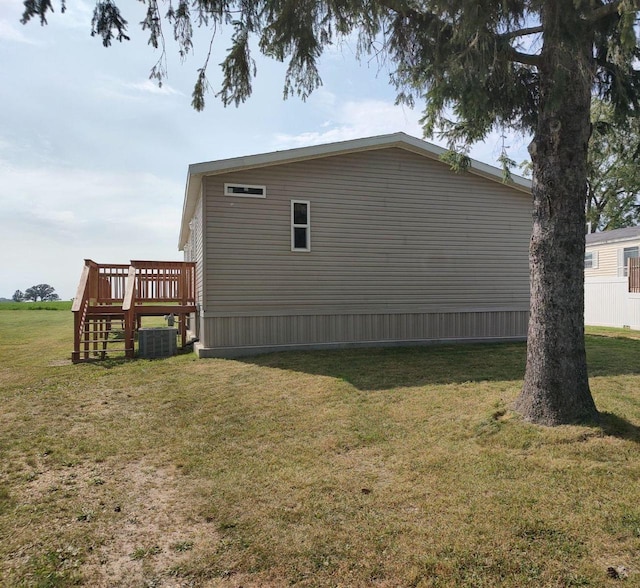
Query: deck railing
(132, 290)
(165, 281)
(634, 275)
(111, 282)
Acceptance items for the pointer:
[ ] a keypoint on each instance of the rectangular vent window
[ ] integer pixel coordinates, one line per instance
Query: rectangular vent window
(245, 190)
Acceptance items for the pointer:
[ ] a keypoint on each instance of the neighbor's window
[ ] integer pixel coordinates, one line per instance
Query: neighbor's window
(624, 256)
(591, 260)
(245, 190)
(300, 225)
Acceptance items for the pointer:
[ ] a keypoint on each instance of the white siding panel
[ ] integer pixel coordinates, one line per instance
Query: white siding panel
(633, 311)
(608, 303)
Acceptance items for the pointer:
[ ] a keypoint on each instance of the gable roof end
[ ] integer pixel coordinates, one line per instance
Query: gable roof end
(626, 234)
(400, 140)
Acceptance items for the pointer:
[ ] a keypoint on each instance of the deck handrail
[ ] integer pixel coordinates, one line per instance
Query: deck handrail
(79, 308)
(130, 290)
(82, 294)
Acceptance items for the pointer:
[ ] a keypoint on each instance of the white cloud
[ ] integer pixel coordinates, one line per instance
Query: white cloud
(77, 14)
(10, 32)
(109, 87)
(153, 88)
(352, 120)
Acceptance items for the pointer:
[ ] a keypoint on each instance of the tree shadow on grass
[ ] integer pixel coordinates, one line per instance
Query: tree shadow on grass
(118, 359)
(107, 363)
(612, 355)
(616, 426)
(393, 367)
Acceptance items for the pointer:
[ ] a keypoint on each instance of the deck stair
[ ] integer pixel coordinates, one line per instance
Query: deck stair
(112, 299)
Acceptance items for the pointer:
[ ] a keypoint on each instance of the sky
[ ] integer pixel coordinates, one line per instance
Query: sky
(94, 155)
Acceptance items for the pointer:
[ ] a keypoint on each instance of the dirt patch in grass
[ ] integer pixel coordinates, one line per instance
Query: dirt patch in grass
(141, 523)
(60, 362)
(157, 530)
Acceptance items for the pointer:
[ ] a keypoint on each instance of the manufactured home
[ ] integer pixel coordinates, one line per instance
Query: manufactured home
(368, 242)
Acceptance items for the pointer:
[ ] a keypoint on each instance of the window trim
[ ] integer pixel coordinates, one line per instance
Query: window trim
(228, 190)
(306, 226)
(623, 268)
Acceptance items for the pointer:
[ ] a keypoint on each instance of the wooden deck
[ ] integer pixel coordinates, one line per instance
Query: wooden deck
(112, 299)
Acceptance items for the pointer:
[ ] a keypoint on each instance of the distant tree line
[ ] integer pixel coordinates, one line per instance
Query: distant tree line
(43, 292)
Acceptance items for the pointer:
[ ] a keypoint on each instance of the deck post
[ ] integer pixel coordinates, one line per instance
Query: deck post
(77, 325)
(129, 310)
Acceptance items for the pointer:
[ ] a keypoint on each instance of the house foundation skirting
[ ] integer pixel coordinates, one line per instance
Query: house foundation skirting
(237, 336)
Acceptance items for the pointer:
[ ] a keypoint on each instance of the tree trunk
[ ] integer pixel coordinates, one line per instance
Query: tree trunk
(556, 386)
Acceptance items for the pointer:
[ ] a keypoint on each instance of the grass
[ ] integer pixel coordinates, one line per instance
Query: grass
(377, 467)
(54, 305)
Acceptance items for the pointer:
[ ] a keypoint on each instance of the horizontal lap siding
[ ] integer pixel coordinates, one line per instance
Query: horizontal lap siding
(391, 232)
(607, 258)
(607, 261)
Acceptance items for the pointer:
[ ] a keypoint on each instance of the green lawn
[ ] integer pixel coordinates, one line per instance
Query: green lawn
(390, 467)
(55, 305)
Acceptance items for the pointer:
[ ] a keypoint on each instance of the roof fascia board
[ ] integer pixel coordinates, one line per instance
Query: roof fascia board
(401, 140)
(613, 240)
(188, 208)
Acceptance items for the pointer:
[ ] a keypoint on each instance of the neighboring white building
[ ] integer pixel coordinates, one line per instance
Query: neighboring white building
(609, 299)
(607, 254)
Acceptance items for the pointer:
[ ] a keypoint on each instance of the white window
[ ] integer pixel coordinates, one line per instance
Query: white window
(591, 260)
(624, 255)
(300, 225)
(245, 190)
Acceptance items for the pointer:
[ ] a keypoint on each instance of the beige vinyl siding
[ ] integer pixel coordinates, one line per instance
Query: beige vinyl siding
(391, 232)
(608, 255)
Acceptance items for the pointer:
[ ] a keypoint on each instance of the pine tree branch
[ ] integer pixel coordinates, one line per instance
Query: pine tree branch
(524, 58)
(403, 9)
(609, 9)
(399, 7)
(522, 32)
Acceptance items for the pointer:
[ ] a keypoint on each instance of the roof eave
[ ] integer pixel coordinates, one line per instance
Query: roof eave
(614, 240)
